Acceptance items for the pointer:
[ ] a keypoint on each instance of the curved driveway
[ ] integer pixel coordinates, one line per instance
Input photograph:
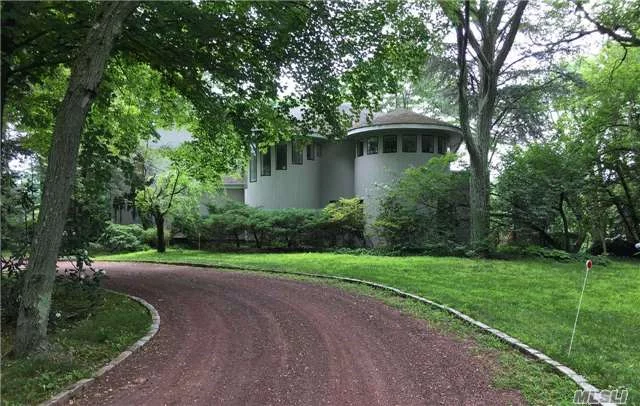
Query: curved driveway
(229, 338)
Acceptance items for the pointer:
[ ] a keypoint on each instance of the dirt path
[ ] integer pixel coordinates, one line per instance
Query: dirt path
(244, 339)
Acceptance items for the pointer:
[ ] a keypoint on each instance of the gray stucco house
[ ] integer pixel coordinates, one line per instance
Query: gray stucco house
(314, 172)
(373, 154)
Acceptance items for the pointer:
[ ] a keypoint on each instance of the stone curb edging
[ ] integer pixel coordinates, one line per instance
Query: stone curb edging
(73, 389)
(515, 343)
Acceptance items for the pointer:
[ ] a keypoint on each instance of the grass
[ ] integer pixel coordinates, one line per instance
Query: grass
(532, 300)
(78, 350)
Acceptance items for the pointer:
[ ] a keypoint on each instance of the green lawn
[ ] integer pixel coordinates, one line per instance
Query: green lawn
(78, 350)
(532, 300)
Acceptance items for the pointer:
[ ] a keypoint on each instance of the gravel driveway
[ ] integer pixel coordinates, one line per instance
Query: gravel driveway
(229, 338)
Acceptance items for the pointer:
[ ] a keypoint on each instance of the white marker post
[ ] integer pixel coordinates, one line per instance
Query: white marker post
(584, 284)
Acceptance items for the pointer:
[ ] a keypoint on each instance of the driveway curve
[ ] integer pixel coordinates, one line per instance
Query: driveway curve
(230, 338)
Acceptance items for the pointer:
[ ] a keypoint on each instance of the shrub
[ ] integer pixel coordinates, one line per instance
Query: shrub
(425, 209)
(76, 291)
(341, 223)
(345, 219)
(121, 238)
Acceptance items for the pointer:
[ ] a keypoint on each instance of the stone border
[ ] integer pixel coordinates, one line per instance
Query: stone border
(75, 388)
(515, 343)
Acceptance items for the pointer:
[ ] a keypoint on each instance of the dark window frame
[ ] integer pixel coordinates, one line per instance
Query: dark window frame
(373, 151)
(318, 150)
(311, 151)
(297, 151)
(359, 148)
(405, 145)
(389, 147)
(281, 161)
(265, 170)
(428, 147)
(442, 144)
(253, 167)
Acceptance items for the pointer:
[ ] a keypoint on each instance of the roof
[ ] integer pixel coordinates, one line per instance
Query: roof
(405, 120)
(232, 182)
(399, 116)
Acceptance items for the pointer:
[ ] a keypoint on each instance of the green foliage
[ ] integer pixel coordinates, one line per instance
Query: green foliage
(75, 296)
(80, 346)
(422, 209)
(339, 224)
(121, 237)
(150, 237)
(600, 128)
(539, 197)
(345, 218)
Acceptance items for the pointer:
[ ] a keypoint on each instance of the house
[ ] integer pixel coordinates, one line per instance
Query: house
(374, 153)
(315, 172)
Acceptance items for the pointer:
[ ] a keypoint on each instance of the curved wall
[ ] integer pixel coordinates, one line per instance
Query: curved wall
(374, 173)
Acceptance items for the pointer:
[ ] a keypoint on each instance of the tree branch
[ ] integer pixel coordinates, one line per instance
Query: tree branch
(511, 35)
(631, 40)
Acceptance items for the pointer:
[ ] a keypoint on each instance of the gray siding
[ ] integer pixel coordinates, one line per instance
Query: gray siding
(336, 179)
(297, 186)
(373, 173)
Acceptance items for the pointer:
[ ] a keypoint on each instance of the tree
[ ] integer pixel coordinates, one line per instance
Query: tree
(226, 58)
(540, 191)
(161, 195)
(600, 122)
(618, 19)
(483, 35)
(31, 333)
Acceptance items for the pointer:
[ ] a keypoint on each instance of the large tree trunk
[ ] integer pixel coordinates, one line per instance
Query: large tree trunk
(490, 54)
(86, 74)
(159, 217)
(479, 203)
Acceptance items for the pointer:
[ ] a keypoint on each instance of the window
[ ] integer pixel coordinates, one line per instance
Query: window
(266, 163)
(442, 145)
(296, 153)
(318, 150)
(359, 148)
(253, 167)
(372, 146)
(389, 143)
(427, 143)
(409, 143)
(281, 157)
(311, 153)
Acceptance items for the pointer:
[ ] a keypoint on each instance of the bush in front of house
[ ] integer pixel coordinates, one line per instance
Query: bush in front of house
(341, 224)
(424, 211)
(122, 237)
(345, 220)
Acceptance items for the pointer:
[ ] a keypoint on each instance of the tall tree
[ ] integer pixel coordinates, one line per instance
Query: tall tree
(86, 74)
(600, 120)
(228, 59)
(485, 34)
